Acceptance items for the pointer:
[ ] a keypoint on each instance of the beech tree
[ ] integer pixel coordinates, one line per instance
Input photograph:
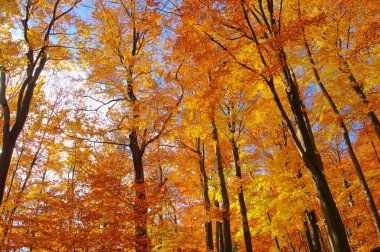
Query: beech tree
(127, 37)
(241, 125)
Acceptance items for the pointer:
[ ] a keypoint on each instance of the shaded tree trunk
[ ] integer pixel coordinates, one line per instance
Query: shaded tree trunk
(5, 161)
(302, 241)
(140, 207)
(331, 242)
(313, 230)
(223, 189)
(204, 183)
(219, 232)
(243, 208)
(309, 239)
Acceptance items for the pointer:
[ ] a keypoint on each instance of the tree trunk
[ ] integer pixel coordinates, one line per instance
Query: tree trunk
(329, 238)
(5, 161)
(219, 232)
(330, 211)
(243, 208)
(309, 239)
(313, 229)
(209, 240)
(8, 141)
(206, 198)
(140, 207)
(223, 189)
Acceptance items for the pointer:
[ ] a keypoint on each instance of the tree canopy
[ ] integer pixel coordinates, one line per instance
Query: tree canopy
(193, 125)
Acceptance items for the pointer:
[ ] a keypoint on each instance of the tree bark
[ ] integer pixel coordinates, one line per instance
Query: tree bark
(207, 204)
(243, 208)
(219, 232)
(322, 240)
(223, 189)
(5, 161)
(314, 231)
(309, 239)
(140, 207)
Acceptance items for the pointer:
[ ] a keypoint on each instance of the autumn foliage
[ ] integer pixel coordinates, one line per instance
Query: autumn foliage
(194, 125)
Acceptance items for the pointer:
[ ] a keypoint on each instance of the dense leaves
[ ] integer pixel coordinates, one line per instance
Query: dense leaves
(189, 125)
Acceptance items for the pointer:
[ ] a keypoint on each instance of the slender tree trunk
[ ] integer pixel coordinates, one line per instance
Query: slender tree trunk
(350, 149)
(206, 198)
(209, 240)
(329, 238)
(337, 231)
(313, 228)
(243, 208)
(376, 123)
(5, 161)
(309, 238)
(8, 141)
(14, 173)
(140, 208)
(160, 216)
(219, 232)
(223, 189)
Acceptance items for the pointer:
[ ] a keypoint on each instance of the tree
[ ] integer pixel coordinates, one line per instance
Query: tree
(191, 125)
(43, 29)
(127, 35)
(273, 65)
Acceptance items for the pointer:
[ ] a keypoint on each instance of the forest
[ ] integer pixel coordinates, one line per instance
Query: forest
(190, 125)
